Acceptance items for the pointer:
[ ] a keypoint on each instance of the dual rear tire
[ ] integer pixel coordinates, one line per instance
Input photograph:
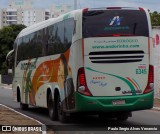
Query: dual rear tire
(56, 110)
(24, 106)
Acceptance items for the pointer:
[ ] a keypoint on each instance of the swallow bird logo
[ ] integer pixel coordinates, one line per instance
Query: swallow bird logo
(116, 21)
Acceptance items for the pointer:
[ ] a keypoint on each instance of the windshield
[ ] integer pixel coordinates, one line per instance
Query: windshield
(115, 23)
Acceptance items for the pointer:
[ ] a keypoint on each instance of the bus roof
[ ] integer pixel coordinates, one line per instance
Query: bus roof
(43, 24)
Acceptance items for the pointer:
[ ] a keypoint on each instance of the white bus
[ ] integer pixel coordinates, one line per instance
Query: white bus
(94, 61)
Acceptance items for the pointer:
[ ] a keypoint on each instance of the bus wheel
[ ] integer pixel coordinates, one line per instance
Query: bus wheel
(23, 106)
(52, 109)
(61, 115)
(124, 116)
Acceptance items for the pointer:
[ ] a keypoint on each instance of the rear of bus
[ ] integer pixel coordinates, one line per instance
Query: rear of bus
(117, 75)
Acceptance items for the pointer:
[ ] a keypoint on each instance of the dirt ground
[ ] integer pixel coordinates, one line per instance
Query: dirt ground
(9, 117)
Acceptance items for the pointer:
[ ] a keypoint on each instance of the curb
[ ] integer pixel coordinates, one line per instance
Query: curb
(6, 86)
(156, 108)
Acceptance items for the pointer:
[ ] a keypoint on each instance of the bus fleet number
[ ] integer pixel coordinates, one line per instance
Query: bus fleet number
(141, 71)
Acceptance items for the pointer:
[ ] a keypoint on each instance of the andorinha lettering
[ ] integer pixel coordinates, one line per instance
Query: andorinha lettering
(117, 28)
(127, 40)
(29, 65)
(130, 91)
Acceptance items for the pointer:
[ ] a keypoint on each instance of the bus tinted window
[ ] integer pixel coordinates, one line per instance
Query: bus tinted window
(50, 40)
(60, 36)
(111, 22)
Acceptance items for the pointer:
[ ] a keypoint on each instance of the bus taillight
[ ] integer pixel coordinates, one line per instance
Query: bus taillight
(85, 10)
(81, 83)
(150, 85)
(141, 9)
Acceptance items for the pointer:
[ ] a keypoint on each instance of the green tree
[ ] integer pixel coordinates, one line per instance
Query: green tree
(7, 36)
(155, 18)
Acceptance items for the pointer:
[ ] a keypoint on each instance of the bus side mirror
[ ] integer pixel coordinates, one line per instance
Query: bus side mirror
(9, 59)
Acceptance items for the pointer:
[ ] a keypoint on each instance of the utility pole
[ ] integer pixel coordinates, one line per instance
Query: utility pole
(75, 4)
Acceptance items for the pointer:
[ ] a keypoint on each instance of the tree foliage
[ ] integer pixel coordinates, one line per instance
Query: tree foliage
(7, 36)
(155, 18)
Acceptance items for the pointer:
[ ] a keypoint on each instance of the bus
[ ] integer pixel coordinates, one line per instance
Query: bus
(88, 61)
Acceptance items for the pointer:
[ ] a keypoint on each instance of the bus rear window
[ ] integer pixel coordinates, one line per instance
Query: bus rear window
(102, 23)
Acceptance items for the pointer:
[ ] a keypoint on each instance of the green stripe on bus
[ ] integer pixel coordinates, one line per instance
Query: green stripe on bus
(123, 79)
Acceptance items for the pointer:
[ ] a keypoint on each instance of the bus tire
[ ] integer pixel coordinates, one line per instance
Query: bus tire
(61, 114)
(23, 106)
(52, 109)
(122, 117)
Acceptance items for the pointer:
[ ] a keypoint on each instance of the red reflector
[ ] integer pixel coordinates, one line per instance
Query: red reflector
(148, 89)
(82, 79)
(85, 10)
(141, 9)
(81, 83)
(151, 74)
(150, 84)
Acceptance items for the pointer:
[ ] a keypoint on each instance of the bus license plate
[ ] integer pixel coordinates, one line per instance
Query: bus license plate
(118, 102)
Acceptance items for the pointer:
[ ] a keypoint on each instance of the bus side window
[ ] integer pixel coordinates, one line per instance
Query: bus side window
(20, 51)
(39, 44)
(59, 37)
(45, 41)
(51, 40)
(69, 27)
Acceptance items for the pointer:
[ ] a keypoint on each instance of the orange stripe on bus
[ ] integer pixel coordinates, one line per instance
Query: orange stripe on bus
(132, 82)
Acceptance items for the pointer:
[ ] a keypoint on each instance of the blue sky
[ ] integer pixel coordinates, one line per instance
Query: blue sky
(153, 5)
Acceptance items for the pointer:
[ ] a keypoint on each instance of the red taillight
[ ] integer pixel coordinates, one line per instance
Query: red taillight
(85, 10)
(81, 83)
(150, 84)
(141, 9)
(82, 80)
(151, 74)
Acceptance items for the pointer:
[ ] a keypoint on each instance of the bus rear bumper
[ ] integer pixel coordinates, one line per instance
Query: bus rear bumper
(104, 104)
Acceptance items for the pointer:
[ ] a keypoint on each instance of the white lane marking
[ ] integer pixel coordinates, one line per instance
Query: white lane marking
(43, 125)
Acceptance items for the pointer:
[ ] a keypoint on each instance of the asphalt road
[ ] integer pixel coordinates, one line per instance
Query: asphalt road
(87, 124)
